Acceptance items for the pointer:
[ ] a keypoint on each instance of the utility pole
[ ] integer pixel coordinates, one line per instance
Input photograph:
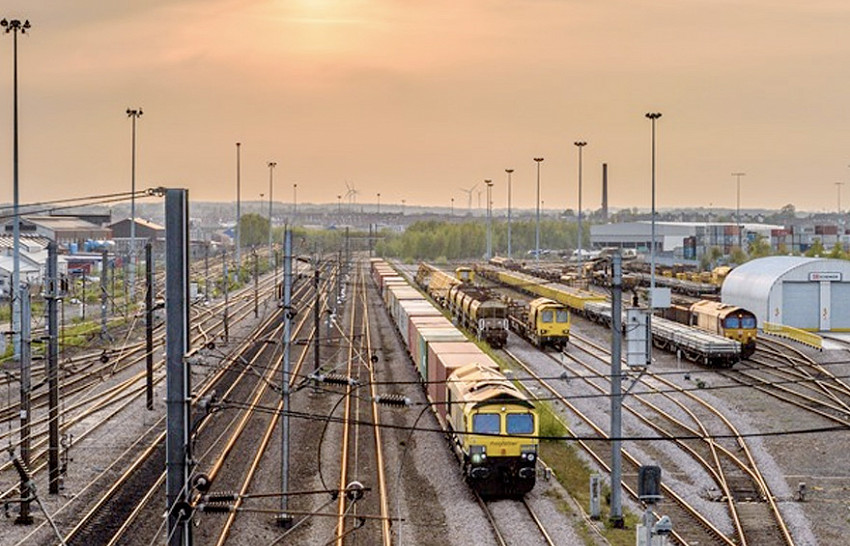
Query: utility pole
(225, 320)
(104, 303)
(256, 287)
(207, 271)
(52, 297)
(14, 26)
(738, 208)
(238, 206)
(316, 317)
(178, 374)
(134, 113)
(509, 171)
(284, 519)
(24, 516)
(149, 326)
(616, 516)
(83, 298)
(272, 165)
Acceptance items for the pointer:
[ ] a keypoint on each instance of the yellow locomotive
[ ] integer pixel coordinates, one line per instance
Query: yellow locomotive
(544, 322)
(724, 319)
(495, 430)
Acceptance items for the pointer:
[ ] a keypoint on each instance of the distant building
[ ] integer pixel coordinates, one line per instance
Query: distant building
(145, 231)
(679, 240)
(806, 293)
(65, 230)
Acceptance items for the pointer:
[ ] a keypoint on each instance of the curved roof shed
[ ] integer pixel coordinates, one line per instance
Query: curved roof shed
(807, 293)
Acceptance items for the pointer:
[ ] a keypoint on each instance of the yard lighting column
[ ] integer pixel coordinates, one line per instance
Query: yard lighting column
(653, 116)
(738, 208)
(294, 202)
(509, 171)
(238, 207)
(537, 223)
(489, 184)
(580, 145)
(272, 165)
(134, 114)
(379, 203)
(14, 26)
(838, 185)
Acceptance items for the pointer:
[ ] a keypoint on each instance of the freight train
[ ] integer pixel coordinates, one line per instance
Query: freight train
(476, 309)
(493, 427)
(543, 322)
(717, 346)
(704, 348)
(723, 319)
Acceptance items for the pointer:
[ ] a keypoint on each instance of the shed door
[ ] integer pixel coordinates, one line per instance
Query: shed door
(840, 305)
(801, 305)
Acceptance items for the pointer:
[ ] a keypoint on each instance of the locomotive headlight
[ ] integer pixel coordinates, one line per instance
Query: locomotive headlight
(477, 454)
(529, 452)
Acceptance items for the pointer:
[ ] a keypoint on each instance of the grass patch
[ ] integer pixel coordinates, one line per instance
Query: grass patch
(574, 474)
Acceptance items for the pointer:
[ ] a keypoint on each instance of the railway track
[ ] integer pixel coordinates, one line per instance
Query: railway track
(510, 519)
(751, 504)
(700, 529)
(131, 468)
(782, 372)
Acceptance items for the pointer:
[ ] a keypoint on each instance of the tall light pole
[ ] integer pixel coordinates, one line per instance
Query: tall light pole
(379, 202)
(339, 204)
(653, 117)
(738, 208)
(238, 206)
(452, 210)
(403, 202)
(537, 228)
(580, 144)
(134, 114)
(489, 184)
(272, 165)
(509, 171)
(14, 26)
(838, 185)
(294, 202)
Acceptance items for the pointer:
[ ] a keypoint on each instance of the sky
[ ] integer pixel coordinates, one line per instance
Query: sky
(418, 100)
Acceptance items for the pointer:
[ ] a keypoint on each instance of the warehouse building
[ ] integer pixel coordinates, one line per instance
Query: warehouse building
(807, 293)
(681, 240)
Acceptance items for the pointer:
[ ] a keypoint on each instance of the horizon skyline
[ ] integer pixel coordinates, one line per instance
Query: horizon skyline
(420, 103)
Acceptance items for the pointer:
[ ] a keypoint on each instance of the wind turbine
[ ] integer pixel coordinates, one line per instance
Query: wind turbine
(351, 194)
(469, 195)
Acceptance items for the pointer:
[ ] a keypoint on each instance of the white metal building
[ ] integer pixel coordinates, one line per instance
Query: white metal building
(807, 293)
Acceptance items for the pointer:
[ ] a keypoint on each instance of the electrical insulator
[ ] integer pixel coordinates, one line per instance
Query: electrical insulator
(224, 496)
(215, 508)
(334, 379)
(392, 400)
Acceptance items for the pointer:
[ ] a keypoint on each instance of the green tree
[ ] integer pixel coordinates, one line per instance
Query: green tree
(816, 250)
(253, 229)
(738, 256)
(760, 247)
(837, 252)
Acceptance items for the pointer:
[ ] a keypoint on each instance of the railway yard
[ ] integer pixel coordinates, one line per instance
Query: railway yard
(751, 453)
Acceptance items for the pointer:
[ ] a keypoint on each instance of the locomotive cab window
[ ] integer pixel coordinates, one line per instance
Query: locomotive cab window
(546, 316)
(520, 423)
(748, 322)
(562, 316)
(486, 423)
(733, 322)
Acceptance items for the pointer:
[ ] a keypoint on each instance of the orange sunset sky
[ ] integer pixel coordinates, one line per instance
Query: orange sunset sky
(416, 99)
